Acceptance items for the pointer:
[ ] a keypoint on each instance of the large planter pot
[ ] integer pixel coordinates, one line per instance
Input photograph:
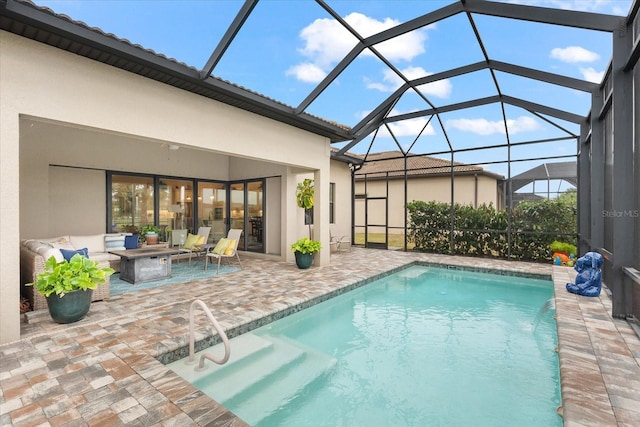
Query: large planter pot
(72, 307)
(303, 261)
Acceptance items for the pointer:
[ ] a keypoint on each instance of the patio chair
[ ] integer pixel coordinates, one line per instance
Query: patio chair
(197, 243)
(336, 242)
(225, 248)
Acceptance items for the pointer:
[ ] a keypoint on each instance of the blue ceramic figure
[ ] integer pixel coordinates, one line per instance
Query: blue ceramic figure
(589, 278)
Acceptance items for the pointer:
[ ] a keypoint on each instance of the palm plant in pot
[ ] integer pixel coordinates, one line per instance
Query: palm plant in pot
(68, 286)
(305, 247)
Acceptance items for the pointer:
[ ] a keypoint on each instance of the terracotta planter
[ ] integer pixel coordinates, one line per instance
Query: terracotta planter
(72, 307)
(151, 239)
(303, 261)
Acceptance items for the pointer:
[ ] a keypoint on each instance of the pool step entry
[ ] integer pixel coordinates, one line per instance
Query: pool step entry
(263, 373)
(192, 336)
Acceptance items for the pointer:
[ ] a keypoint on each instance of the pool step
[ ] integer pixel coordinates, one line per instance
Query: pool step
(233, 379)
(283, 384)
(262, 374)
(244, 348)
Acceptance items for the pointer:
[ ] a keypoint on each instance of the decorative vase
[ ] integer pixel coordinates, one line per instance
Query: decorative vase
(303, 261)
(70, 308)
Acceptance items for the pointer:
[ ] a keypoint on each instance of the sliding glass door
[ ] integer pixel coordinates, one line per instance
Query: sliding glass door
(247, 213)
(212, 208)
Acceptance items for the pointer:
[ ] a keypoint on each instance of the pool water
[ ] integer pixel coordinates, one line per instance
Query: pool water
(423, 347)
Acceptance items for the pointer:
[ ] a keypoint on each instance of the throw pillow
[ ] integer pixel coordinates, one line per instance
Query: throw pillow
(231, 247)
(131, 242)
(192, 240)
(68, 254)
(221, 246)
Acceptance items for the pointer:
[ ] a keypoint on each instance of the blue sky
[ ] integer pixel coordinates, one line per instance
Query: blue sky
(287, 46)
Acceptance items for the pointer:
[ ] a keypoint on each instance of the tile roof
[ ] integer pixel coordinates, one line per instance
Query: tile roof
(378, 165)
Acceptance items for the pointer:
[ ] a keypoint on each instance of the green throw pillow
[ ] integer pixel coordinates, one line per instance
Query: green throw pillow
(221, 246)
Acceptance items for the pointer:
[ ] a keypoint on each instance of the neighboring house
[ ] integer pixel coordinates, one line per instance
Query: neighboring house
(544, 181)
(380, 182)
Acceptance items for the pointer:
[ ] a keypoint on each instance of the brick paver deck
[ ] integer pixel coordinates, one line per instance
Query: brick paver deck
(104, 370)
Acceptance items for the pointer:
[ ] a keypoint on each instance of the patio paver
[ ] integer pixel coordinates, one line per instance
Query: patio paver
(103, 370)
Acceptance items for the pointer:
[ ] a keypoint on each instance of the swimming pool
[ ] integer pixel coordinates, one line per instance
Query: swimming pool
(424, 346)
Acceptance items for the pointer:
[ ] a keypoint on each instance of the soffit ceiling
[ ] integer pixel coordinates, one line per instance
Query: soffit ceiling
(370, 96)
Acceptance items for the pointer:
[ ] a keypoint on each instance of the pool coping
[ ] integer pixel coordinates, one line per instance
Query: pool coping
(67, 373)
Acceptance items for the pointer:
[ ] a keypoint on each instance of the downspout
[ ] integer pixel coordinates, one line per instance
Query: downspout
(475, 195)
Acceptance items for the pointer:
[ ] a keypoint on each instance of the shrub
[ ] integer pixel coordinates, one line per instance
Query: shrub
(484, 231)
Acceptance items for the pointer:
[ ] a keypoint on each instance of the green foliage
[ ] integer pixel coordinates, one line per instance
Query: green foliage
(306, 246)
(149, 228)
(66, 276)
(563, 247)
(305, 193)
(484, 231)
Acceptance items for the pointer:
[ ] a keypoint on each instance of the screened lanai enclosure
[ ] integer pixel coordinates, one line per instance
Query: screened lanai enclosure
(502, 87)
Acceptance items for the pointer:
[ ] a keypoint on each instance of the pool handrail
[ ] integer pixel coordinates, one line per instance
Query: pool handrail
(216, 326)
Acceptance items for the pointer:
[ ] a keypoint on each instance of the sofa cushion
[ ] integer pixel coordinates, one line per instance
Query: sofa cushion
(62, 242)
(47, 252)
(114, 242)
(44, 249)
(68, 254)
(93, 242)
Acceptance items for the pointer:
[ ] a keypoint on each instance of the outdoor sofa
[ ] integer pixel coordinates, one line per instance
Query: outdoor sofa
(35, 252)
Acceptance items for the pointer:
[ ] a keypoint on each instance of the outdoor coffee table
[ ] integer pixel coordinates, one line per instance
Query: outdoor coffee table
(145, 264)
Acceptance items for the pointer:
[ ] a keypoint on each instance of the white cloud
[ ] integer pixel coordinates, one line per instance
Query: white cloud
(574, 54)
(307, 72)
(592, 75)
(391, 81)
(486, 127)
(411, 127)
(326, 42)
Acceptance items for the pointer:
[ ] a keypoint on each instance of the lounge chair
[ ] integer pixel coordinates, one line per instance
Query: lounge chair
(197, 244)
(225, 248)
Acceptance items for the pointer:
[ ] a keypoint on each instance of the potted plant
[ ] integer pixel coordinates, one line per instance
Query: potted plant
(304, 249)
(149, 233)
(305, 197)
(563, 253)
(68, 286)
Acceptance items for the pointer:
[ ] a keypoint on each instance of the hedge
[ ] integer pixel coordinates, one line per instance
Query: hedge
(484, 231)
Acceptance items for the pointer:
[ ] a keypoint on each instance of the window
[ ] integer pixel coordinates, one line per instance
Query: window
(308, 213)
(332, 202)
(132, 202)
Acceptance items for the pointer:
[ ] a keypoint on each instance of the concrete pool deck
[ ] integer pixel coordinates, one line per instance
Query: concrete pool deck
(103, 370)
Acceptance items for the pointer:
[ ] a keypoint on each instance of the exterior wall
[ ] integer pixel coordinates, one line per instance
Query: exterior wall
(467, 190)
(96, 116)
(341, 177)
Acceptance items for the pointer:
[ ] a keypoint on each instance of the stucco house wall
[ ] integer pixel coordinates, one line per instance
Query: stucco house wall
(468, 189)
(60, 109)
